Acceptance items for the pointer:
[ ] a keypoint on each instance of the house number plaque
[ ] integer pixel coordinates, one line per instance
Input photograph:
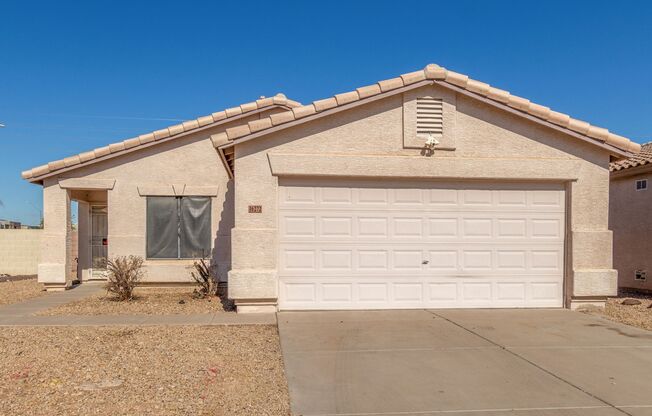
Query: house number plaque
(255, 209)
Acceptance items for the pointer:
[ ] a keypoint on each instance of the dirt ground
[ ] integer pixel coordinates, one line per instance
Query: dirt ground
(20, 290)
(149, 301)
(217, 370)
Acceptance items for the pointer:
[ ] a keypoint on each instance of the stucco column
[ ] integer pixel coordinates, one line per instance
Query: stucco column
(253, 281)
(593, 276)
(54, 268)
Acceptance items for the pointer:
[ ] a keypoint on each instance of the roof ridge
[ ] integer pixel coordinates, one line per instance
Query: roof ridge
(186, 126)
(435, 73)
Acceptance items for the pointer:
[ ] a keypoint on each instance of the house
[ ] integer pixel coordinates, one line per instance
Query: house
(426, 190)
(630, 219)
(9, 225)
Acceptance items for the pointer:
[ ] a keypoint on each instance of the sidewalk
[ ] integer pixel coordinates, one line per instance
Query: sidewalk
(22, 314)
(50, 300)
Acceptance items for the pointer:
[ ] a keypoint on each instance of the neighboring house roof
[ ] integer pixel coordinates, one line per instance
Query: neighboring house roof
(430, 74)
(644, 157)
(190, 126)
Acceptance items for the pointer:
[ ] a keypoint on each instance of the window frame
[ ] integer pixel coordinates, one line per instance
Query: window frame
(642, 182)
(178, 227)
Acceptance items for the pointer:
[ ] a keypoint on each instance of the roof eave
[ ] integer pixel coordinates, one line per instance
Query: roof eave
(610, 148)
(631, 171)
(39, 179)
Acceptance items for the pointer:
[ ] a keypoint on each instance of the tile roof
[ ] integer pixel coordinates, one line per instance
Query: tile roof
(143, 139)
(438, 74)
(644, 157)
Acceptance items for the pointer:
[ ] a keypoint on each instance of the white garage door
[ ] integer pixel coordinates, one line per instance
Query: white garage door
(385, 245)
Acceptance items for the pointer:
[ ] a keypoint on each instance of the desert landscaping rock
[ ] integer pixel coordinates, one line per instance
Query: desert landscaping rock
(15, 291)
(180, 370)
(104, 384)
(634, 314)
(148, 301)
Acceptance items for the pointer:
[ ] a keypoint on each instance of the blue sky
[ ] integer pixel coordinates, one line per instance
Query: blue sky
(79, 75)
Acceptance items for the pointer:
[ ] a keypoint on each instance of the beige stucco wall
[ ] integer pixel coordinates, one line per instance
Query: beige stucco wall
(19, 251)
(367, 141)
(631, 222)
(189, 162)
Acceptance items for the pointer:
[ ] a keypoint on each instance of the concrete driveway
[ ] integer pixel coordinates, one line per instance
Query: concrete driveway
(465, 363)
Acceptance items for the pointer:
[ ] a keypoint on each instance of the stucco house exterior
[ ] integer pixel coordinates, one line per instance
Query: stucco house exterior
(630, 219)
(426, 190)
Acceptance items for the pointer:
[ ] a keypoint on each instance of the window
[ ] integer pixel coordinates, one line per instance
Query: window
(178, 227)
(640, 275)
(641, 184)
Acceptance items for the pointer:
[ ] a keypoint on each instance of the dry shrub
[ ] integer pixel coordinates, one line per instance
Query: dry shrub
(205, 278)
(124, 273)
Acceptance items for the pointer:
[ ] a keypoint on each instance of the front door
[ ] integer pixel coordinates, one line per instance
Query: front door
(99, 241)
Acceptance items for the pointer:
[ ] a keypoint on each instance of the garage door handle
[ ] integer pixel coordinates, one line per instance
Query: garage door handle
(425, 262)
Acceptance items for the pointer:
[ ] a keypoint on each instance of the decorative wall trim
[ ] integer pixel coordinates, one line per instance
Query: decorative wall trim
(86, 183)
(422, 167)
(178, 190)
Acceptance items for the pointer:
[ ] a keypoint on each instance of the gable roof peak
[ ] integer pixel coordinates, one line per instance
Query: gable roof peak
(440, 75)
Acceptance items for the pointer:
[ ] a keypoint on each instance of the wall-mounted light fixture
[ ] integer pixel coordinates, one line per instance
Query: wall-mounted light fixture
(431, 141)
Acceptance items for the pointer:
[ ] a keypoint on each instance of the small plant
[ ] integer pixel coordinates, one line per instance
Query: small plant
(205, 278)
(124, 273)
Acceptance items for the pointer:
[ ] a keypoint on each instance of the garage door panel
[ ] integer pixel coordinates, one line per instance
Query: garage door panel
(308, 190)
(299, 226)
(408, 197)
(302, 225)
(335, 226)
(514, 198)
(542, 292)
(336, 196)
(546, 228)
(475, 293)
(374, 227)
(407, 227)
(443, 197)
(422, 260)
(400, 245)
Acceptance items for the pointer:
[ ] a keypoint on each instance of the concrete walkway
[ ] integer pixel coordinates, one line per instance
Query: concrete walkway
(465, 363)
(22, 314)
(50, 300)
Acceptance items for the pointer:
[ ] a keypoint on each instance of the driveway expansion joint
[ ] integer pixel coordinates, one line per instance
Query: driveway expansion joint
(508, 350)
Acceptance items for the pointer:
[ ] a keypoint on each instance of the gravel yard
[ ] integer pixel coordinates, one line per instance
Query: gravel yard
(217, 370)
(635, 315)
(149, 301)
(19, 290)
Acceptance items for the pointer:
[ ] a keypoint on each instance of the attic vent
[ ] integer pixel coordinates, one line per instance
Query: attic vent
(430, 116)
